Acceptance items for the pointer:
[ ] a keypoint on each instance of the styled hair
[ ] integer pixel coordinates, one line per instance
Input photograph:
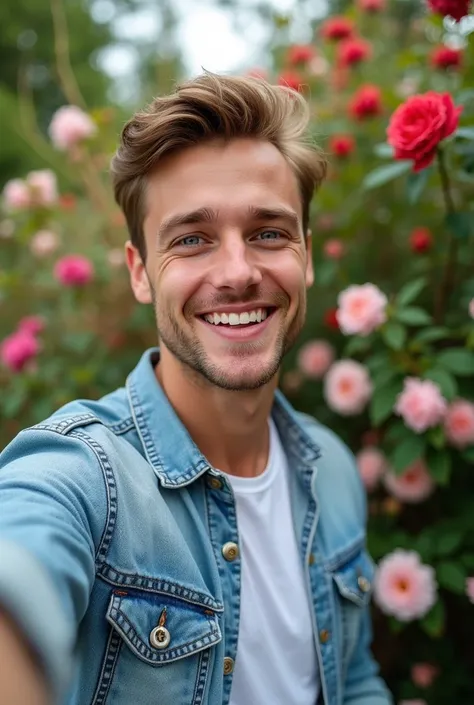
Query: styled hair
(211, 107)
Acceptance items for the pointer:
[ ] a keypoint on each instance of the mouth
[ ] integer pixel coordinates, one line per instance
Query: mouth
(240, 326)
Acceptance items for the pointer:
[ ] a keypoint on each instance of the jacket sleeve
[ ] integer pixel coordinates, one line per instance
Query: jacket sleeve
(363, 686)
(51, 495)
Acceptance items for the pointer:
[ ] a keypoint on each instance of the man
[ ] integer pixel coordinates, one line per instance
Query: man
(190, 539)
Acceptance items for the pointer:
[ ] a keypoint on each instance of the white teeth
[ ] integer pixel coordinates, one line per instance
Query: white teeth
(235, 319)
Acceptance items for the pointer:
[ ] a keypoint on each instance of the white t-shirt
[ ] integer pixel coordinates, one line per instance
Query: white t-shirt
(276, 657)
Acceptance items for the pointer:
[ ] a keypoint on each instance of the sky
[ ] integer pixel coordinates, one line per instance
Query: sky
(206, 34)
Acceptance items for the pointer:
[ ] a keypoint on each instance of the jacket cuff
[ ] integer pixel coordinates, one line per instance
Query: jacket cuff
(28, 595)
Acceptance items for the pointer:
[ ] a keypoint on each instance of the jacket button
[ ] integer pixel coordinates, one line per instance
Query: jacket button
(363, 583)
(214, 483)
(230, 551)
(160, 638)
(228, 665)
(324, 636)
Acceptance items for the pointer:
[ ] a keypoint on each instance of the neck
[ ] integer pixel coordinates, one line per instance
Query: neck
(229, 428)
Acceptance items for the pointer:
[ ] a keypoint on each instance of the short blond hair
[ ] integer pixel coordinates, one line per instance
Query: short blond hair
(208, 107)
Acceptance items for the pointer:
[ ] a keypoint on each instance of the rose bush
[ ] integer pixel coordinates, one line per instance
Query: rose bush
(387, 357)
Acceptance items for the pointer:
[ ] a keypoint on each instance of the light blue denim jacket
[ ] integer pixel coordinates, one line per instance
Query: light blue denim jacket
(109, 514)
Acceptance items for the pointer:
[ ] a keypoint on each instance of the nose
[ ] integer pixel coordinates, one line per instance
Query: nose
(235, 267)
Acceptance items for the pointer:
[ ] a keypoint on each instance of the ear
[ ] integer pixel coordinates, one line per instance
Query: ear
(138, 276)
(309, 260)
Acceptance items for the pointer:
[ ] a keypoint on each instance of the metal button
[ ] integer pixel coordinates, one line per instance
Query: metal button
(160, 638)
(230, 551)
(324, 636)
(214, 482)
(228, 665)
(363, 583)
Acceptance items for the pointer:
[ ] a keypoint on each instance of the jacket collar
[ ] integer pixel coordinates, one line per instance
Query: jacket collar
(169, 448)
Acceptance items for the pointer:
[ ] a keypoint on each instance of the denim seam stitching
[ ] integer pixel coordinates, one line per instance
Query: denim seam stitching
(112, 652)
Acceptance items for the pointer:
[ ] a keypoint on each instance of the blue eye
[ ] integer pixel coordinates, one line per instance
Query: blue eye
(190, 241)
(270, 235)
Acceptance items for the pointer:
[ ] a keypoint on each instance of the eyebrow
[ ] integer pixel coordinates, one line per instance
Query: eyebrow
(207, 215)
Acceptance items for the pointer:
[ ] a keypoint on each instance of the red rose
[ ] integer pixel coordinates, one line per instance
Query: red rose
(330, 319)
(291, 79)
(445, 58)
(421, 240)
(336, 28)
(418, 126)
(366, 102)
(371, 5)
(353, 51)
(300, 54)
(457, 9)
(342, 145)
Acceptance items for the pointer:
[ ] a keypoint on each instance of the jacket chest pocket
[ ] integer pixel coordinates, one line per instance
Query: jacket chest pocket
(159, 650)
(353, 584)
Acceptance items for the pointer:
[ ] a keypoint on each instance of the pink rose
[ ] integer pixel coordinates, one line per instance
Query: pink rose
(371, 463)
(43, 187)
(31, 324)
(347, 387)
(74, 270)
(459, 423)
(470, 589)
(418, 126)
(315, 358)
(457, 9)
(423, 674)
(361, 309)
(16, 195)
(415, 484)
(18, 349)
(420, 404)
(471, 308)
(44, 243)
(404, 587)
(69, 126)
(334, 249)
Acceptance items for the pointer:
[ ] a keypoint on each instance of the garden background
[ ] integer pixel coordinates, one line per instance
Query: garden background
(393, 255)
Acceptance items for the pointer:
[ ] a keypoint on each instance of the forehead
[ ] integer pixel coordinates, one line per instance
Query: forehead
(226, 176)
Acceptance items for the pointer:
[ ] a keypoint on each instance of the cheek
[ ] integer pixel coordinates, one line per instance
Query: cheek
(177, 282)
(288, 271)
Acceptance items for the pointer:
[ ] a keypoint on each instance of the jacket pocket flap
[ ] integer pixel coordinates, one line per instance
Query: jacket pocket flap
(187, 628)
(354, 579)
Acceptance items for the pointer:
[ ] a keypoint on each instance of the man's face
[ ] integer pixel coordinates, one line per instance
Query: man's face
(227, 266)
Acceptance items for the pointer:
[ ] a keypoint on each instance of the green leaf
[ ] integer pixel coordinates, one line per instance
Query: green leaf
(452, 576)
(459, 224)
(395, 626)
(465, 132)
(384, 174)
(383, 401)
(439, 464)
(433, 622)
(394, 335)
(458, 361)
(445, 381)
(410, 291)
(448, 542)
(413, 316)
(395, 432)
(384, 150)
(355, 345)
(429, 335)
(416, 184)
(468, 454)
(436, 437)
(408, 450)
(326, 272)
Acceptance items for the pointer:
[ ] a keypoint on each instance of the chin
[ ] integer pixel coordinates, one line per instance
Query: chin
(246, 378)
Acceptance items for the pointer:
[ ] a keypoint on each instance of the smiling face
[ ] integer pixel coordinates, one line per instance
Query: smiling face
(227, 265)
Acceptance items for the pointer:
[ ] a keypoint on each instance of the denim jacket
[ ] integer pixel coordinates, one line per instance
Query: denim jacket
(112, 525)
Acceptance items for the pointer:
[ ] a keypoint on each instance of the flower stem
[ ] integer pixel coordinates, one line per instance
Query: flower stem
(447, 280)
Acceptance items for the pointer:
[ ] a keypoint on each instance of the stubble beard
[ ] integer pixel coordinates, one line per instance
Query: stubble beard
(190, 352)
